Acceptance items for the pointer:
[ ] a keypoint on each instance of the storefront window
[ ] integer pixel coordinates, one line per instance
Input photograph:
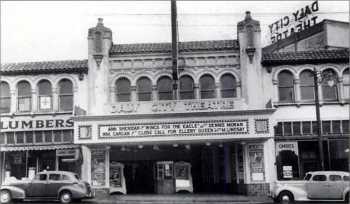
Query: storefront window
(10, 136)
(123, 90)
(144, 89)
(336, 126)
(228, 86)
(48, 136)
(186, 87)
(330, 92)
(345, 124)
(287, 128)
(2, 138)
(67, 135)
(24, 96)
(286, 87)
(5, 98)
(45, 95)
(29, 137)
(57, 136)
(306, 127)
(307, 85)
(207, 86)
(296, 128)
(314, 128)
(165, 89)
(339, 155)
(19, 137)
(38, 136)
(279, 129)
(326, 127)
(346, 84)
(65, 95)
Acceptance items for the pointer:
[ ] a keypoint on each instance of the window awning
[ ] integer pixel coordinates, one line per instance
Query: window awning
(36, 147)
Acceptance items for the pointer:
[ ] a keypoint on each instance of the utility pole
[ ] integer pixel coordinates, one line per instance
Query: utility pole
(174, 46)
(318, 119)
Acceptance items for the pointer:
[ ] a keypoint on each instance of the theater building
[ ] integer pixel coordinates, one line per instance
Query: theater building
(292, 63)
(214, 134)
(36, 104)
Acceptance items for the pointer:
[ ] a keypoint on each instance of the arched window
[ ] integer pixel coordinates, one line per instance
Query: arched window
(307, 85)
(186, 87)
(228, 86)
(207, 85)
(144, 89)
(45, 95)
(65, 95)
(122, 88)
(329, 85)
(285, 87)
(165, 89)
(346, 84)
(24, 92)
(5, 98)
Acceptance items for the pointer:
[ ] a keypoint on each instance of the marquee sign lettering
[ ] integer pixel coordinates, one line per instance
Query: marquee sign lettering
(176, 128)
(300, 20)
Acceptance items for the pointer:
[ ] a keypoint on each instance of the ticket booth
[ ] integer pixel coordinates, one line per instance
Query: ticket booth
(165, 182)
(183, 177)
(116, 178)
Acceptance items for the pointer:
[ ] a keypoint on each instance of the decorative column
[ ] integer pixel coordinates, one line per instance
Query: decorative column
(154, 93)
(55, 100)
(217, 90)
(238, 89)
(197, 94)
(275, 90)
(14, 101)
(133, 93)
(35, 101)
(340, 87)
(297, 94)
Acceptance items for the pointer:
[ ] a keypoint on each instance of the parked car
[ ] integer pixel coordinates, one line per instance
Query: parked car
(47, 185)
(316, 186)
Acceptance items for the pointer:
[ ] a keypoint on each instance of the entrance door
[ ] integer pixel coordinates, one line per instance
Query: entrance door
(165, 182)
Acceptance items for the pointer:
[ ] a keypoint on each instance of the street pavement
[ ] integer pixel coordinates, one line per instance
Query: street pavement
(116, 202)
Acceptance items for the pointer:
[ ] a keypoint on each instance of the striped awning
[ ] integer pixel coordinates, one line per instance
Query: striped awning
(36, 147)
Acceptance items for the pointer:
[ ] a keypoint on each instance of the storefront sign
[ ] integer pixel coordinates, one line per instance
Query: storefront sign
(177, 128)
(300, 20)
(176, 106)
(98, 174)
(256, 161)
(66, 152)
(283, 146)
(287, 172)
(8, 124)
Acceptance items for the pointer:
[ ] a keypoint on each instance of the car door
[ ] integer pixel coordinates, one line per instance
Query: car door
(335, 187)
(55, 182)
(317, 187)
(37, 187)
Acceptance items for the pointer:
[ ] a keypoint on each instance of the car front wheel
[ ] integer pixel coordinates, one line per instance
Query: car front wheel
(5, 196)
(66, 197)
(286, 197)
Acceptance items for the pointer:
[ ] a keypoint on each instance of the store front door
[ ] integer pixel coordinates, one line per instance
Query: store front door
(165, 181)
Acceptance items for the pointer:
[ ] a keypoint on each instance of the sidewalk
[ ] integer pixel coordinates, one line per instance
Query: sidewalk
(180, 198)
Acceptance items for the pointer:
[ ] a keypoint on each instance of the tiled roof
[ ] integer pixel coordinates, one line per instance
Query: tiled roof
(166, 47)
(64, 66)
(303, 57)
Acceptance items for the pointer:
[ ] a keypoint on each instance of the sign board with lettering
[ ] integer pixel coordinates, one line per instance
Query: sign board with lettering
(8, 124)
(292, 146)
(214, 127)
(299, 20)
(177, 106)
(256, 161)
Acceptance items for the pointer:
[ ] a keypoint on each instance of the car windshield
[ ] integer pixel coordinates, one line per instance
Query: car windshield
(76, 176)
(307, 177)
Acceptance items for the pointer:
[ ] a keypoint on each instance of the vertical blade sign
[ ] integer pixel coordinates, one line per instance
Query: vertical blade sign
(174, 40)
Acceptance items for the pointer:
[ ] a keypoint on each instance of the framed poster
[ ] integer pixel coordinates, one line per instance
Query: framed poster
(256, 162)
(115, 174)
(98, 167)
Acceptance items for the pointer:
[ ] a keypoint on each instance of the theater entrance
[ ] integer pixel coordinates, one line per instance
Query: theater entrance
(139, 177)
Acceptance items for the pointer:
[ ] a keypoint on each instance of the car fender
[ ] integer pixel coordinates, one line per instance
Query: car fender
(74, 190)
(16, 193)
(298, 192)
(347, 190)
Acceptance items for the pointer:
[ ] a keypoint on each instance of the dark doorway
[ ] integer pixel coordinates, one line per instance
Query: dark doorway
(139, 177)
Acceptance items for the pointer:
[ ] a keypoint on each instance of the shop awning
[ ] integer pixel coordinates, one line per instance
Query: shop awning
(36, 147)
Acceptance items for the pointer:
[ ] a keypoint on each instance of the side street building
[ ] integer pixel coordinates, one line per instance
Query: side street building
(234, 117)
